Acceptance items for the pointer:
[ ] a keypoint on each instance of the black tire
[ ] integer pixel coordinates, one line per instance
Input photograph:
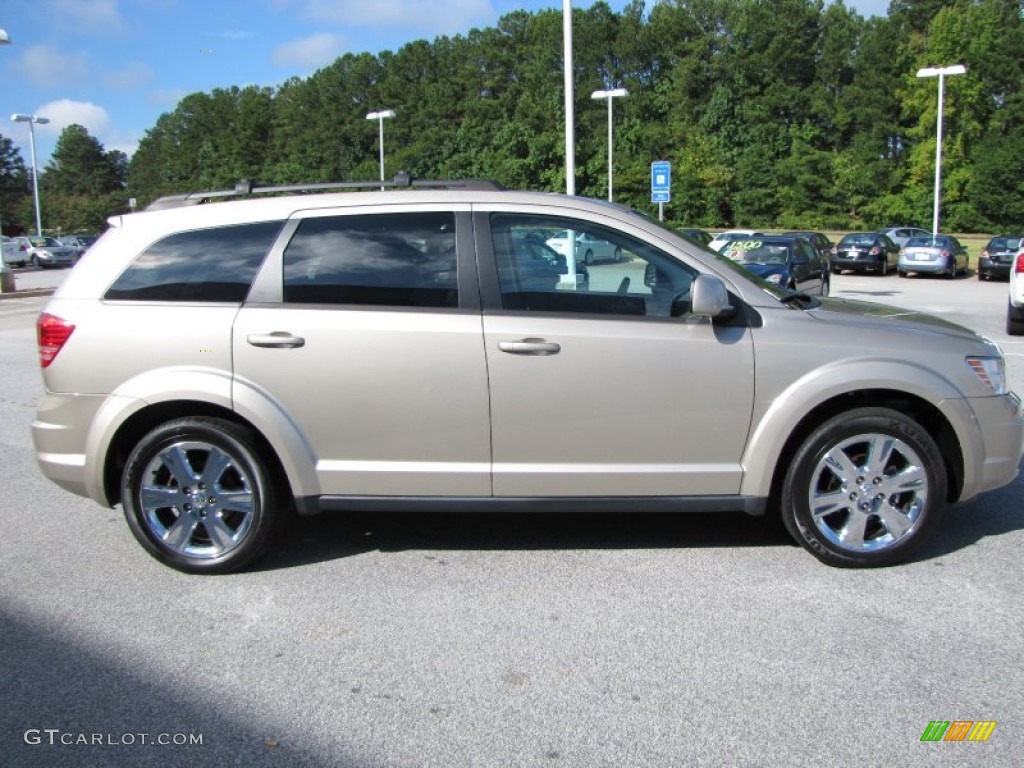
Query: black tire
(870, 516)
(1014, 320)
(900, 273)
(588, 257)
(227, 512)
(618, 254)
(884, 269)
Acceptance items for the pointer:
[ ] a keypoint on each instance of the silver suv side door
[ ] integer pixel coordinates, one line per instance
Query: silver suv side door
(608, 389)
(361, 330)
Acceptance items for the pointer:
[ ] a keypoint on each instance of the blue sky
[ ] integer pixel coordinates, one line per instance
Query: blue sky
(115, 65)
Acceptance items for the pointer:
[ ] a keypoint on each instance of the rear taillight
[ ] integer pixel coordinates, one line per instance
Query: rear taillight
(52, 333)
(875, 251)
(1018, 267)
(945, 254)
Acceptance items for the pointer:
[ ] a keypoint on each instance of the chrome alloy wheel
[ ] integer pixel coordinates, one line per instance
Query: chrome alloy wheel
(197, 499)
(868, 492)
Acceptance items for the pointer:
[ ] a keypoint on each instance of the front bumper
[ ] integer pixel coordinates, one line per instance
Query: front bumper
(996, 461)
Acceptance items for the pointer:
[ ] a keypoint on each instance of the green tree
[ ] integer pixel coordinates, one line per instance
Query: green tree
(80, 165)
(13, 184)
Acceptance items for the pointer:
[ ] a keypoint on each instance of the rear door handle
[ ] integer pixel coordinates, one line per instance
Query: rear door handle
(277, 339)
(536, 347)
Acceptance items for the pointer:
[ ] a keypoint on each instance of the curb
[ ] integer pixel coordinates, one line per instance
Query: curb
(27, 294)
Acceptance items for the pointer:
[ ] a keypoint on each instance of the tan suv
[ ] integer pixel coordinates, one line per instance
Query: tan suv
(211, 367)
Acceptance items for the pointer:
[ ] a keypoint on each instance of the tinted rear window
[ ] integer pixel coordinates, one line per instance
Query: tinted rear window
(927, 242)
(204, 265)
(859, 240)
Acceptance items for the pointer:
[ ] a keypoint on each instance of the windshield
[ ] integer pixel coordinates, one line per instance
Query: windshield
(757, 252)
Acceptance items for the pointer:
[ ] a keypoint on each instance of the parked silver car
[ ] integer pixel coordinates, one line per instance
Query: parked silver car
(43, 252)
(400, 350)
(938, 255)
(79, 243)
(900, 235)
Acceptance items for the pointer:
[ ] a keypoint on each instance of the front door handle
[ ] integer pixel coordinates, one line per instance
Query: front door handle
(536, 347)
(277, 339)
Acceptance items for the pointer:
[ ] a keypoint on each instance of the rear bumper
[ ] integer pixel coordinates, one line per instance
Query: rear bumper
(993, 268)
(59, 434)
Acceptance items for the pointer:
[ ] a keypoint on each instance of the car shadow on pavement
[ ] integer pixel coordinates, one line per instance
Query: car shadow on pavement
(995, 513)
(331, 536)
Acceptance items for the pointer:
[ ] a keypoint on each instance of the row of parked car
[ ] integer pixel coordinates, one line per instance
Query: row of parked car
(782, 259)
(45, 252)
(900, 249)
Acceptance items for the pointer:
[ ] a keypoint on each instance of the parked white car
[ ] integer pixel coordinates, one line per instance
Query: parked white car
(9, 251)
(1015, 307)
(588, 248)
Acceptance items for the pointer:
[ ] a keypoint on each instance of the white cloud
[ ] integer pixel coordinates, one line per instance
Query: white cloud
(309, 52)
(64, 112)
(446, 17)
(131, 75)
(102, 16)
(94, 118)
(46, 67)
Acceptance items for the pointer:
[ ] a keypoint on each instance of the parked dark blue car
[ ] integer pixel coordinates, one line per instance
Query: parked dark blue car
(786, 261)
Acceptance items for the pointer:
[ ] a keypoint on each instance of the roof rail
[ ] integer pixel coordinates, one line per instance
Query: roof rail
(245, 187)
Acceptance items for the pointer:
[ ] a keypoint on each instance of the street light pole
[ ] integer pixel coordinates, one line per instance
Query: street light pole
(32, 120)
(940, 72)
(610, 95)
(380, 117)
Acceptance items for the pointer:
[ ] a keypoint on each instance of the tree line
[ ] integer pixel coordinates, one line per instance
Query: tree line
(784, 113)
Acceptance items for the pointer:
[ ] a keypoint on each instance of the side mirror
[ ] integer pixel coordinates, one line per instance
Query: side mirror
(651, 276)
(708, 297)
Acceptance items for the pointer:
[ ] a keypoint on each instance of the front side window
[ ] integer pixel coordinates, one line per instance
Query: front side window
(389, 259)
(615, 274)
(216, 265)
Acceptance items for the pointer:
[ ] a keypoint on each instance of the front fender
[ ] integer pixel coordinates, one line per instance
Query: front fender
(785, 411)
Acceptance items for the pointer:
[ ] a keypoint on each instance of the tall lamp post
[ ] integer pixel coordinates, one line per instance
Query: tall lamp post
(5, 39)
(32, 120)
(610, 96)
(380, 117)
(940, 72)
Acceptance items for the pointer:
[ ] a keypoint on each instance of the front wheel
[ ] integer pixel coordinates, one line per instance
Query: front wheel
(865, 489)
(198, 496)
(588, 257)
(617, 256)
(884, 269)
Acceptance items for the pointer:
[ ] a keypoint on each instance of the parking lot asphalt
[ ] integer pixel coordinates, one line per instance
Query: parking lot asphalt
(501, 640)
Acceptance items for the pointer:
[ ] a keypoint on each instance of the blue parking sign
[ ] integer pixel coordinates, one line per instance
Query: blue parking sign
(661, 181)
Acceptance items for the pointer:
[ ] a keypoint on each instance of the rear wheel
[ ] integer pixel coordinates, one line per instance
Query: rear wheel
(588, 257)
(618, 255)
(884, 269)
(198, 496)
(865, 489)
(1014, 320)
